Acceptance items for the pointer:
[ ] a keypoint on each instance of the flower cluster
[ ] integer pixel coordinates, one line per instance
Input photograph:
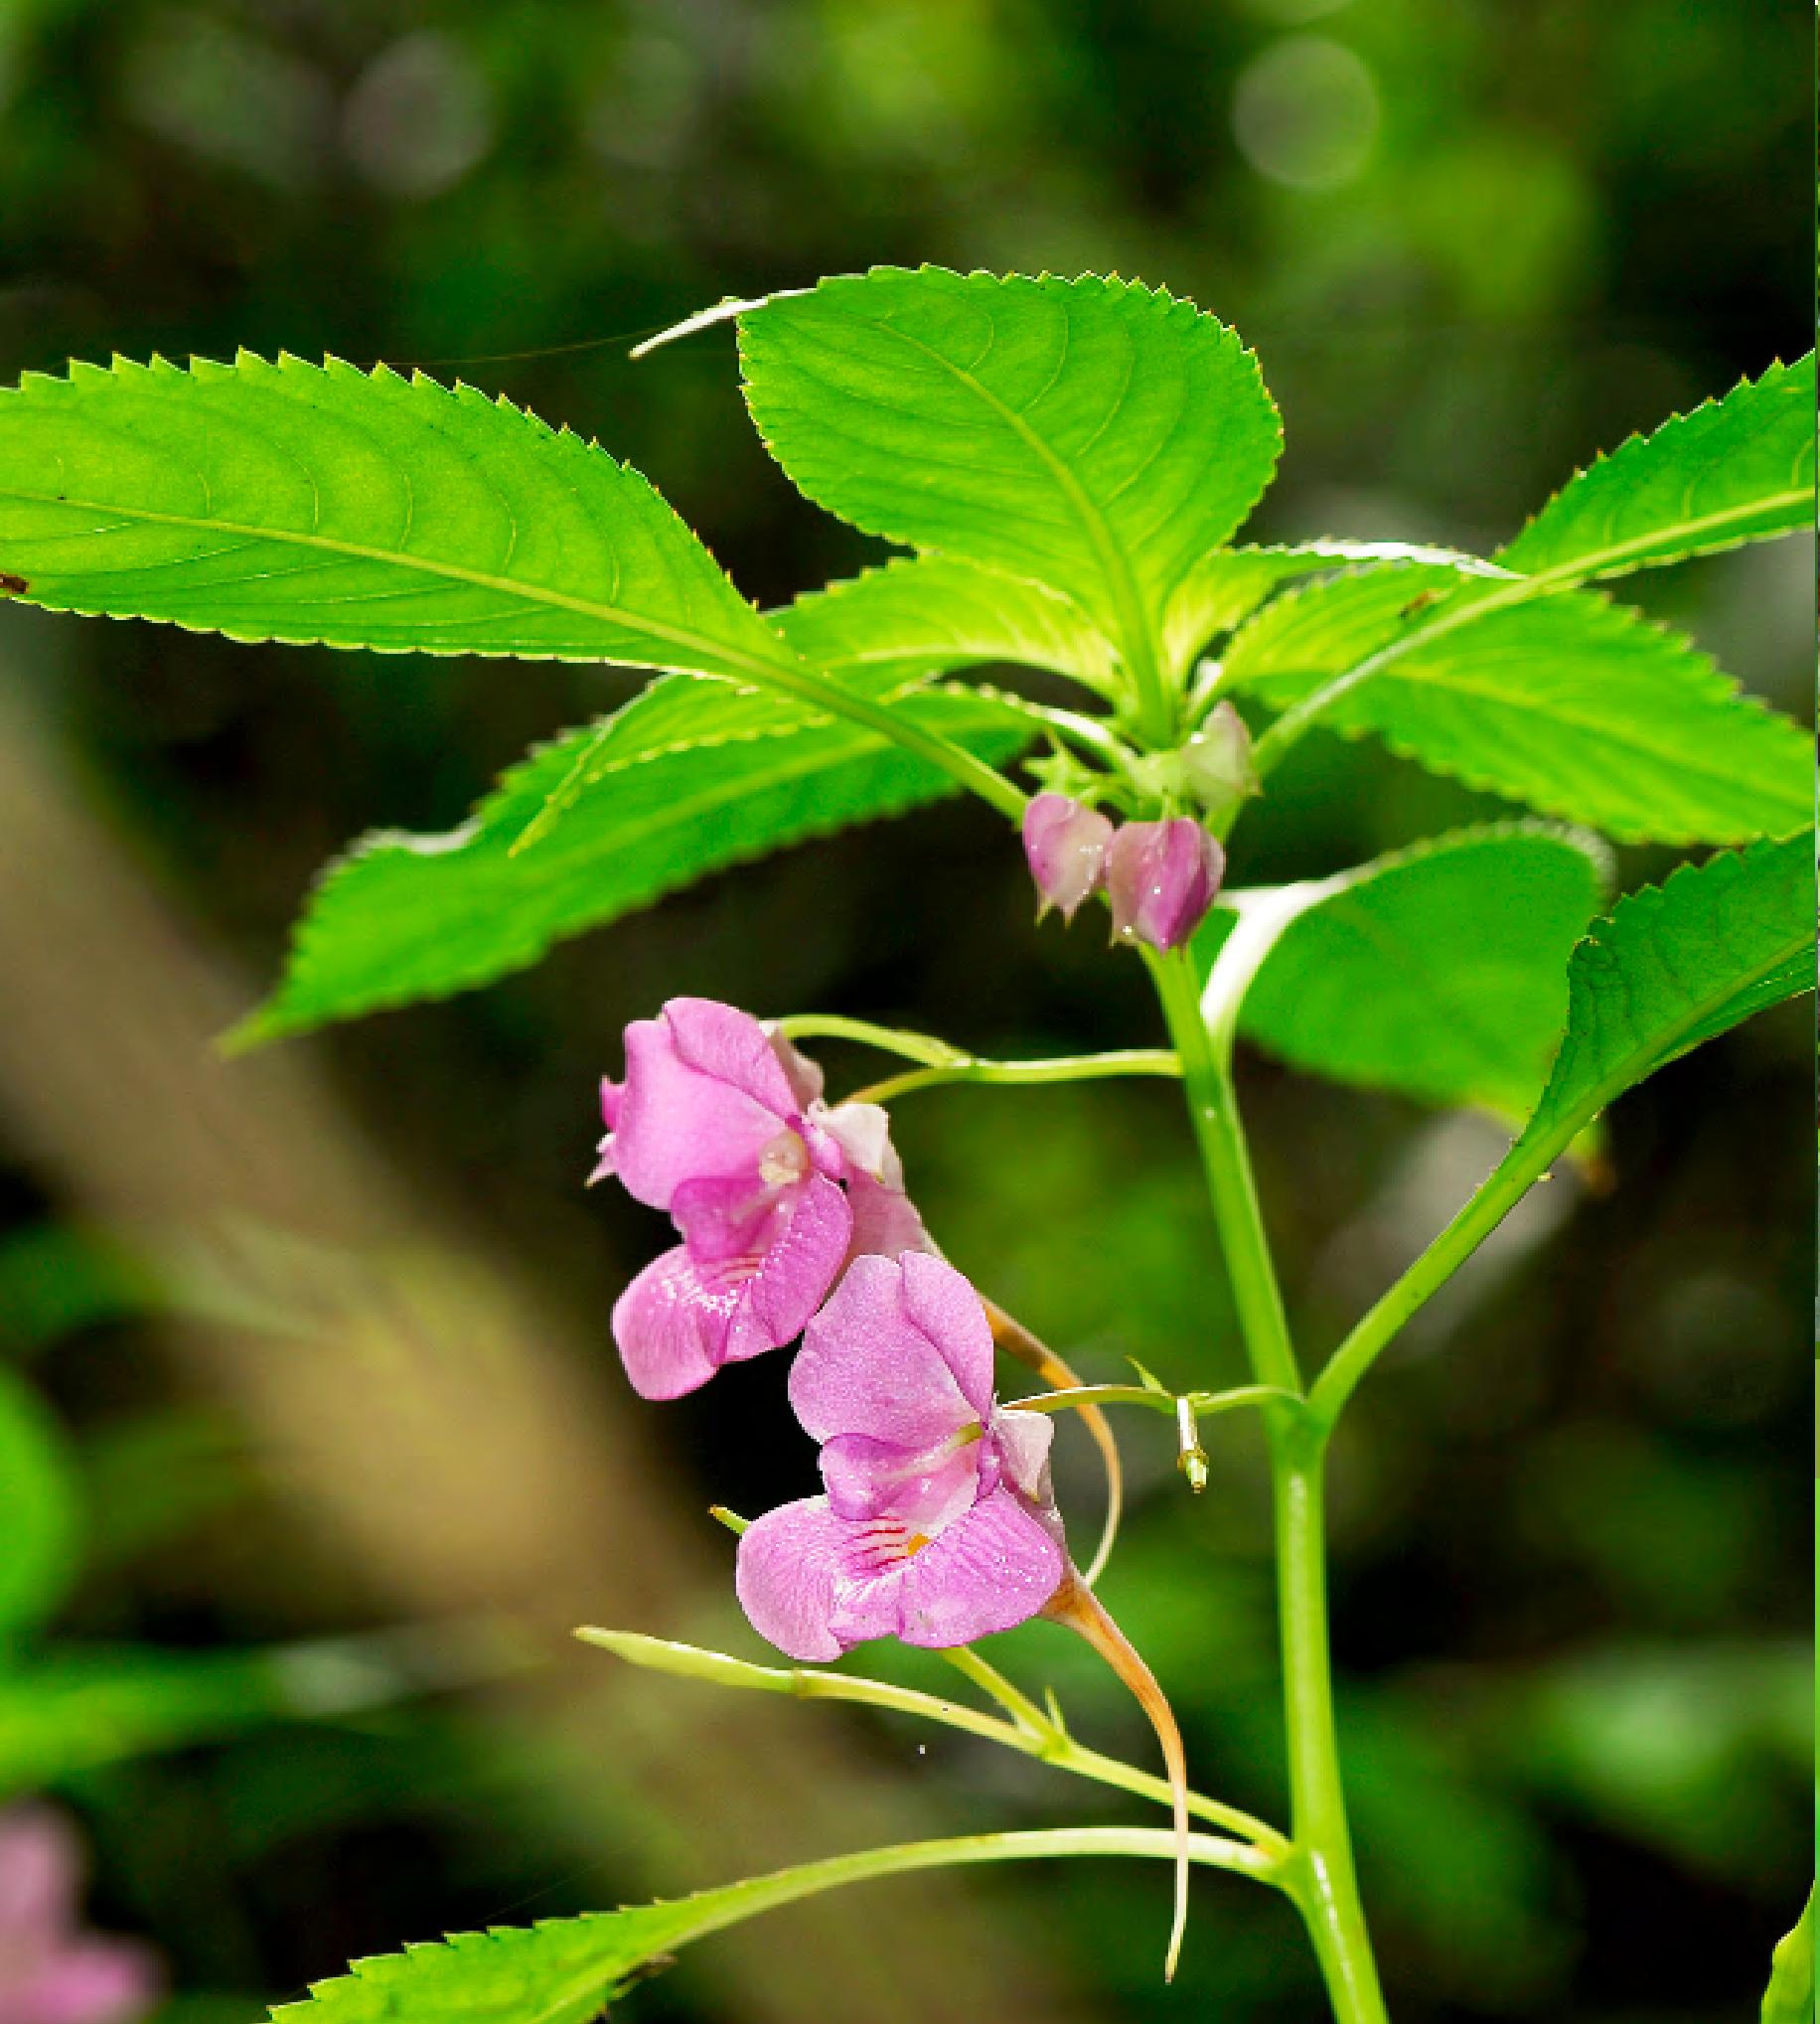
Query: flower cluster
(50, 1971)
(938, 1523)
(1159, 878)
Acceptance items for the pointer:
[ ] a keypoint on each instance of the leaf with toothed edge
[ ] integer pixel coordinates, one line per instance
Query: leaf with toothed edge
(1737, 469)
(563, 1971)
(1676, 965)
(1096, 436)
(320, 504)
(936, 612)
(1225, 587)
(689, 778)
(1578, 707)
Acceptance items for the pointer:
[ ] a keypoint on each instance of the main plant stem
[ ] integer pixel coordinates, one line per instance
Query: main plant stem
(1324, 1880)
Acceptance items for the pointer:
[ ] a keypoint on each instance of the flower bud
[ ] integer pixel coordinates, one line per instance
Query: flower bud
(1066, 845)
(1217, 761)
(1161, 878)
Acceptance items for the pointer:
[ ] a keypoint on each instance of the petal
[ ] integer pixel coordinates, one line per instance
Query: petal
(862, 1130)
(923, 1488)
(803, 1075)
(1023, 1441)
(733, 1048)
(865, 1367)
(868, 1593)
(727, 1219)
(943, 1304)
(680, 1120)
(805, 1246)
(41, 1870)
(885, 1221)
(990, 1570)
(90, 1981)
(785, 1577)
(671, 1323)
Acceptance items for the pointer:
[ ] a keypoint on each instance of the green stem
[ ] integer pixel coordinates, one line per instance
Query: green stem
(1497, 1195)
(1033, 1734)
(923, 1048)
(1203, 1402)
(1329, 1891)
(1065, 1068)
(1327, 1886)
(785, 1886)
(1229, 1176)
(955, 761)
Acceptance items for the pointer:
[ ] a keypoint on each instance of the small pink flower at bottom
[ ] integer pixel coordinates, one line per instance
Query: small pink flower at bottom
(720, 1122)
(1161, 879)
(938, 1525)
(1065, 844)
(51, 1971)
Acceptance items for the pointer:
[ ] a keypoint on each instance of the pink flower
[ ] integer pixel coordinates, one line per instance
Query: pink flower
(720, 1122)
(1065, 844)
(938, 1525)
(1161, 879)
(51, 1971)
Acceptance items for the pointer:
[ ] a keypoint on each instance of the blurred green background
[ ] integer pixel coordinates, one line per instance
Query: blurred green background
(300, 1350)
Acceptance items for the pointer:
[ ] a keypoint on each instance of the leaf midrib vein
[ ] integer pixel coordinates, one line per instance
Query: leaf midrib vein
(453, 573)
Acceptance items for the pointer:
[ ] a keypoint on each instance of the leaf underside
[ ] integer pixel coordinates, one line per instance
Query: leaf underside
(1439, 973)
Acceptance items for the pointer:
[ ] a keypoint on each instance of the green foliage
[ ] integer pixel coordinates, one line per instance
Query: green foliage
(39, 1509)
(83, 1707)
(689, 778)
(1439, 972)
(928, 613)
(1577, 707)
(305, 503)
(1224, 586)
(1675, 965)
(1733, 470)
(1789, 1998)
(1095, 436)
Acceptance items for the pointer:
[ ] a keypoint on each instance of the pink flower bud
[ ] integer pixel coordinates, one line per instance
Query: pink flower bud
(1161, 878)
(1066, 845)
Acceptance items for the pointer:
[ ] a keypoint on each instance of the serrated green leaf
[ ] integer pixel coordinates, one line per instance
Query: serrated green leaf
(1672, 966)
(1575, 705)
(563, 1971)
(1096, 436)
(930, 613)
(689, 778)
(323, 504)
(1675, 965)
(1225, 587)
(1734, 470)
(39, 1509)
(1439, 972)
(1789, 1998)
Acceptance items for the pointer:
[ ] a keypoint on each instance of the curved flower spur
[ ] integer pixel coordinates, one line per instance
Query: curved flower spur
(938, 1523)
